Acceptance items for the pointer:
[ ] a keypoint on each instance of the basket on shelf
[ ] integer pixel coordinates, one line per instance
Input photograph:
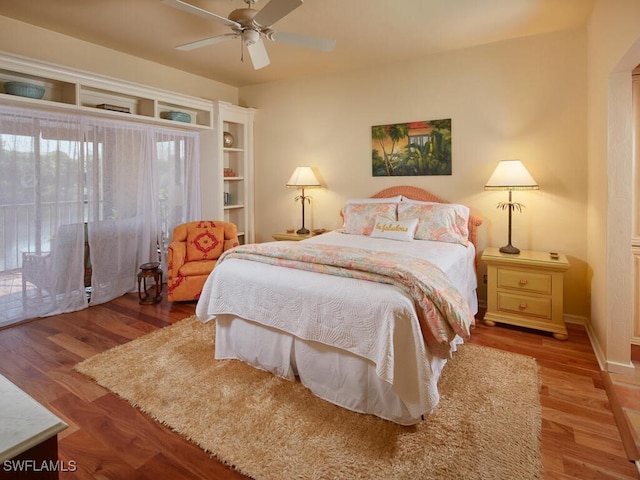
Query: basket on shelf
(178, 116)
(24, 89)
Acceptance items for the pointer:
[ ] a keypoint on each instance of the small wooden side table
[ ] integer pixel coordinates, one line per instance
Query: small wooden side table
(281, 236)
(296, 237)
(153, 293)
(526, 290)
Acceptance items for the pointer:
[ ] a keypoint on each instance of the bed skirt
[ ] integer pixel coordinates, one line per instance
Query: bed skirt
(335, 375)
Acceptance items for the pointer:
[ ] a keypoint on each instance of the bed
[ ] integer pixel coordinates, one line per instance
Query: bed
(365, 316)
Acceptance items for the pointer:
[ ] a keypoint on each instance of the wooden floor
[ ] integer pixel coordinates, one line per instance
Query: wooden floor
(626, 392)
(108, 439)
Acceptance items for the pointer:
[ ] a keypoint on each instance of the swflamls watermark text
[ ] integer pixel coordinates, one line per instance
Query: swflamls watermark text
(39, 466)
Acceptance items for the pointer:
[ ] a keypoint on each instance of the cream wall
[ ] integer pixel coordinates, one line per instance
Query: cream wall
(614, 50)
(524, 98)
(34, 42)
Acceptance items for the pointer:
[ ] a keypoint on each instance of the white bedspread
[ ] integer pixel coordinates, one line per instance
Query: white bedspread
(374, 321)
(455, 260)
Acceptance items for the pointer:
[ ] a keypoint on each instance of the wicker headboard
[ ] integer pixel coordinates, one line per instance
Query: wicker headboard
(416, 193)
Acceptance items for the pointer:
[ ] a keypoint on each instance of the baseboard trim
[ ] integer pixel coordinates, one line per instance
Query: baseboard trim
(584, 321)
(625, 369)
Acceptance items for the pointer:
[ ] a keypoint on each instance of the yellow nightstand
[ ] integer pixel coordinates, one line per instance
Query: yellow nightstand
(296, 236)
(526, 290)
(290, 236)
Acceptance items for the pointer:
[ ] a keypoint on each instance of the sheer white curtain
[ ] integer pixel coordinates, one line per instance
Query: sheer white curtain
(41, 214)
(176, 174)
(80, 192)
(143, 181)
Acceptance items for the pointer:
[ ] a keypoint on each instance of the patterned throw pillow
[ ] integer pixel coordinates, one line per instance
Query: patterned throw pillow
(395, 229)
(359, 218)
(443, 222)
(205, 242)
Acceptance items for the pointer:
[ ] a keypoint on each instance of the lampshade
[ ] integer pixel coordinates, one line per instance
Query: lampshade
(511, 175)
(303, 177)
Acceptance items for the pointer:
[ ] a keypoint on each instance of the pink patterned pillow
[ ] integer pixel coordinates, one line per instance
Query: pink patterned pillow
(443, 222)
(359, 218)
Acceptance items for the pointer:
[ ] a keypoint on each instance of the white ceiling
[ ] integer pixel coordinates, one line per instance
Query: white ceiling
(368, 32)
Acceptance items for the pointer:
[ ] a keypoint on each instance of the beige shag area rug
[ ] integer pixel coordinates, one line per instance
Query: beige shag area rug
(487, 425)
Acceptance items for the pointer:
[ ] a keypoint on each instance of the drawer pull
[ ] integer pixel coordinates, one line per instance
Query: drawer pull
(523, 282)
(523, 306)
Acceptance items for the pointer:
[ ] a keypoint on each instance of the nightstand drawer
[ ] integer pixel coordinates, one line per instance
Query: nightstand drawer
(538, 282)
(524, 305)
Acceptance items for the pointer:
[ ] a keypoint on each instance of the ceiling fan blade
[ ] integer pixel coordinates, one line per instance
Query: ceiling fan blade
(274, 11)
(323, 44)
(258, 54)
(186, 7)
(207, 41)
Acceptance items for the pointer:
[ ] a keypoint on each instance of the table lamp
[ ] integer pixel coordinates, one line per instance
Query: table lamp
(303, 177)
(511, 175)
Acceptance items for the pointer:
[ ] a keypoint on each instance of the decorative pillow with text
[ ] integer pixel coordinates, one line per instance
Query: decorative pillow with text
(402, 230)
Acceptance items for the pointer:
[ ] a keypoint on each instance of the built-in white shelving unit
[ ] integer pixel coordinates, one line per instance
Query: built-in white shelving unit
(235, 187)
(73, 89)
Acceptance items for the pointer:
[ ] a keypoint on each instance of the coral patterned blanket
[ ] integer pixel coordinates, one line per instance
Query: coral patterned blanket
(442, 311)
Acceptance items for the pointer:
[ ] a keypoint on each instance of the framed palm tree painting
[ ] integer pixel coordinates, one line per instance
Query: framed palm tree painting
(414, 148)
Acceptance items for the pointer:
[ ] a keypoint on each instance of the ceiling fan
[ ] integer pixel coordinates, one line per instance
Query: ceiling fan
(252, 26)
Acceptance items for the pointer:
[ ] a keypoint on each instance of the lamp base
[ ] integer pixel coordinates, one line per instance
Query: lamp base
(303, 231)
(510, 249)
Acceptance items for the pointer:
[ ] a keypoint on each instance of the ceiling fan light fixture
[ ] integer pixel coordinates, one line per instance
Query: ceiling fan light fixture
(250, 37)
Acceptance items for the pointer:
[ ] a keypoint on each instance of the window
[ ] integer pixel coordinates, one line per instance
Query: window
(68, 182)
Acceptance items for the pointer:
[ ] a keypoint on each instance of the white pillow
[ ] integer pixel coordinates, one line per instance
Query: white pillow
(423, 202)
(386, 227)
(395, 199)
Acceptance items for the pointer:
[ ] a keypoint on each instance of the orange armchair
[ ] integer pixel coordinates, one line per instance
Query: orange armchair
(193, 253)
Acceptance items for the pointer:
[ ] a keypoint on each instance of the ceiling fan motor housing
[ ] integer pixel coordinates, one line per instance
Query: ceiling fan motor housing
(249, 30)
(244, 16)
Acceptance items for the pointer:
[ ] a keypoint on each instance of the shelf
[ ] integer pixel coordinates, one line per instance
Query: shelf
(73, 89)
(54, 90)
(198, 116)
(92, 97)
(238, 158)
